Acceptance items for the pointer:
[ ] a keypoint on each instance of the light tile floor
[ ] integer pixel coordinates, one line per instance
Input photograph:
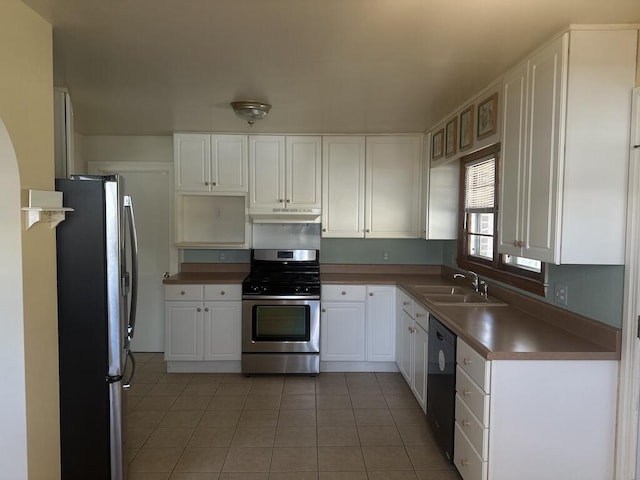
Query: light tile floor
(336, 426)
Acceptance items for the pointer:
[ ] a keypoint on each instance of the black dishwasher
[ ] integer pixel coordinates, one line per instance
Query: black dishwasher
(441, 384)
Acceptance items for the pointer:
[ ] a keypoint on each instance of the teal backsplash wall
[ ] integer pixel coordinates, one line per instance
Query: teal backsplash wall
(367, 251)
(595, 291)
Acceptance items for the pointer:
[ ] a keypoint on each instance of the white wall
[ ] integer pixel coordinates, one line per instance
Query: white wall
(123, 148)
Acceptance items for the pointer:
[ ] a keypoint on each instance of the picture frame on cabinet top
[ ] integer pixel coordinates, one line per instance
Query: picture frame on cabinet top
(488, 116)
(466, 128)
(436, 144)
(451, 137)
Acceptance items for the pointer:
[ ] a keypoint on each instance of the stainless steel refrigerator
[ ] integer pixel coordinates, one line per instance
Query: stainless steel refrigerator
(97, 294)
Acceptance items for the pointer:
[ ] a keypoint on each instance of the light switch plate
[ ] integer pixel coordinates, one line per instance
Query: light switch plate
(560, 294)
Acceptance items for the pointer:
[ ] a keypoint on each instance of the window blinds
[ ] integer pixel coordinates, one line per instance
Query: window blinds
(480, 180)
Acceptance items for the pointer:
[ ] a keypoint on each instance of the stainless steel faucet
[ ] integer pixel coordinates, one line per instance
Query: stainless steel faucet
(475, 283)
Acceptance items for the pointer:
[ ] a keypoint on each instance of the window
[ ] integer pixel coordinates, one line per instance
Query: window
(478, 245)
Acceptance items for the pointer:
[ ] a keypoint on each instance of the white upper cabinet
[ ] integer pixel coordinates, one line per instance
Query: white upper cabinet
(565, 149)
(285, 171)
(371, 186)
(210, 163)
(343, 167)
(392, 186)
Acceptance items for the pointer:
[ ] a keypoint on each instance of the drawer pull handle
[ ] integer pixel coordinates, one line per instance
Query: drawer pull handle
(466, 361)
(466, 423)
(198, 309)
(344, 293)
(466, 393)
(183, 292)
(222, 292)
(464, 462)
(406, 303)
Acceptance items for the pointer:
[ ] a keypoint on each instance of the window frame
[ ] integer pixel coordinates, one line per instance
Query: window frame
(496, 269)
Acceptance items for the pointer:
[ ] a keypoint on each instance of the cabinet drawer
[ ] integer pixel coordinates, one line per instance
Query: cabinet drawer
(421, 316)
(223, 292)
(406, 303)
(473, 429)
(466, 459)
(343, 293)
(473, 396)
(474, 365)
(183, 292)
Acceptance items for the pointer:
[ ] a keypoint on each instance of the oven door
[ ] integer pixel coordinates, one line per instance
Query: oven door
(272, 326)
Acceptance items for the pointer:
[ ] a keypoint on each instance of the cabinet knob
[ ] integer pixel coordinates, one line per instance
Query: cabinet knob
(324, 229)
(409, 328)
(206, 183)
(466, 361)
(466, 423)
(368, 231)
(343, 292)
(213, 184)
(406, 303)
(464, 462)
(198, 309)
(280, 200)
(222, 292)
(206, 309)
(183, 292)
(288, 201)
(324, 310)
(371, 294)
(465, 392)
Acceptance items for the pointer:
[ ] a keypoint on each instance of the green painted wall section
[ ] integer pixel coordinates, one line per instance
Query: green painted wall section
(595, 291)
(372, 251)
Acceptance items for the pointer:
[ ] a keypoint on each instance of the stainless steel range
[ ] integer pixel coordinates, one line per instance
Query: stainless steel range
(281, 312)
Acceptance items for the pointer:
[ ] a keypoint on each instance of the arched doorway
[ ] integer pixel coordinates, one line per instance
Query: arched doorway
(13, 418)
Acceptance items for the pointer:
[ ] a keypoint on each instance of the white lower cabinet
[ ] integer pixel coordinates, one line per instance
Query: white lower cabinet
(203, 322)
(412, 341)
(534, 419)
(357, 323)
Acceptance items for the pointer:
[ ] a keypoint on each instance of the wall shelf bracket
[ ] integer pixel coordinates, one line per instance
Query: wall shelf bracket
(45, 207)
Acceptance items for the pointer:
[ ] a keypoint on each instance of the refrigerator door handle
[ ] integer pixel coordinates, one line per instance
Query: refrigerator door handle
(128, 204)
(126, 384)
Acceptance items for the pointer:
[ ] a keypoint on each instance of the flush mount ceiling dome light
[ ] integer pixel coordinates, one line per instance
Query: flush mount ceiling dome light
(250, 110)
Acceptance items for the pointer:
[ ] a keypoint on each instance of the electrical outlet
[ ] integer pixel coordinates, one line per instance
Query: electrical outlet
(385, 256)
(222, 257)
(561, 292)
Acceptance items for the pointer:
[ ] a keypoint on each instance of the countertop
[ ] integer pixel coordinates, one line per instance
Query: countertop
(525, 328)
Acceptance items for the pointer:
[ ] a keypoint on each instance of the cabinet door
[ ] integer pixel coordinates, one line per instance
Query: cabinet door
(192, 162)
(342, 331)
(266, 167)
(229, 163)
(512, 171)
(393, 186)
(183, 331)
(381, 325)
(303, 169)
(407, 352)
(420, 360)
(545, 134)
(343, 167)
(222, 330)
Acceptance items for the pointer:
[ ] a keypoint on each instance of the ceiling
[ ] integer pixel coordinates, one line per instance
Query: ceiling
(152, 67)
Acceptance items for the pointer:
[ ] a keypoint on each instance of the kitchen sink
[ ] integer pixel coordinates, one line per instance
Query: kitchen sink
(468, 299)
(441, 289)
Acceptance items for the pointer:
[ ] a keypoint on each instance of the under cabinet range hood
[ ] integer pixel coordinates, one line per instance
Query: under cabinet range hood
(285, 215)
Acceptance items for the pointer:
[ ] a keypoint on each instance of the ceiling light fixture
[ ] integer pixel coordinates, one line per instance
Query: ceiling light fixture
(250, 110)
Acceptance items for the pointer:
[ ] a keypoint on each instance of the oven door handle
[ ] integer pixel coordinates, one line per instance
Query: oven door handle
(280, 297)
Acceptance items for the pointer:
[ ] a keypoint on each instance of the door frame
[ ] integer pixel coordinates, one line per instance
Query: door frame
(627, 461)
